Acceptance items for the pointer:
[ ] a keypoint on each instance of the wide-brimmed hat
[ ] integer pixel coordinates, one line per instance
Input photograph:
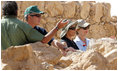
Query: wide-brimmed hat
(32, 9)
(65, 29)
(82, 23)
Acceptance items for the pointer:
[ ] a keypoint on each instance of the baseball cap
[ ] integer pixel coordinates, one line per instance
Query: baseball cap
(32, 9)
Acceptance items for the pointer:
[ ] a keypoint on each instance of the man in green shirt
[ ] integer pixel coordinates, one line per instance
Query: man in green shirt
(15, 32)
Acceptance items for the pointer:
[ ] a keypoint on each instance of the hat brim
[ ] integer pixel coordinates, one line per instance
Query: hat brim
(82, 26)
(65, 29)
(39, 12)
(85, 25)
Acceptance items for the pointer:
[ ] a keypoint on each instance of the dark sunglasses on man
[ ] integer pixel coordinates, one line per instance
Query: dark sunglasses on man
(37, 15)
(72, 28)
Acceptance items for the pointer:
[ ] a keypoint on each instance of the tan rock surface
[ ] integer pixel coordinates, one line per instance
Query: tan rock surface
(69, 9)
(100, 55)
(108, 48)
(54, 8)
(47, 54)
(102, 30)
(89, 60)
(106, 12)
(98, 12)
(34, 56)
(85, 9)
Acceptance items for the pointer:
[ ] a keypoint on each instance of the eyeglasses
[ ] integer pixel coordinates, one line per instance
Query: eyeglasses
(86, 28)
(37, 15)
(72, 28)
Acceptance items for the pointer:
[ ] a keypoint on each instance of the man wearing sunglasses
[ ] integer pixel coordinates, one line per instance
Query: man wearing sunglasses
(33, 16)
(81, 40)
(15, 32)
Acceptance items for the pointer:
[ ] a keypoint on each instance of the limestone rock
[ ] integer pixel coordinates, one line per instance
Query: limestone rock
(30, 57)
(112, 58)
(47, 54)
(89, 60)
(69, 9)
(108, 48)
(101, 30)
(20, 57)
(98, 12)
(114, 19)
(78, 10)
(106, 12)
(85, 9)
(54, 8)
(103, 45)
(51, 23)
(91, 17)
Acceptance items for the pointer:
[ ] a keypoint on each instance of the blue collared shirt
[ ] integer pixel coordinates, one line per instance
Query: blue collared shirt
(80, 43)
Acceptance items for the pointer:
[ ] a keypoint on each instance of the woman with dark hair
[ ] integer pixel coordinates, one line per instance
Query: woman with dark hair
(67, 34)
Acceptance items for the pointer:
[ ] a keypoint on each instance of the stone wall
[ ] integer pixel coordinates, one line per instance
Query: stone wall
(97, 14)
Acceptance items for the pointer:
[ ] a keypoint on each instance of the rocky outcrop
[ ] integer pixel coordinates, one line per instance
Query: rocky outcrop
(100, 55)
(89, 60)
(85, 10)
(36, 56)
(108, 48)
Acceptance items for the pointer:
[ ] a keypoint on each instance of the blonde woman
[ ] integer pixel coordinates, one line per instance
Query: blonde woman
(81, 40)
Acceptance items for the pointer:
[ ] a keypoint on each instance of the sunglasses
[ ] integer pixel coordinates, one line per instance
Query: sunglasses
(86, 28)
(37, 15)
(72, 28)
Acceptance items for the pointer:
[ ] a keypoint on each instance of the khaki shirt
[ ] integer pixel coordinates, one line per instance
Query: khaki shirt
(15, 32)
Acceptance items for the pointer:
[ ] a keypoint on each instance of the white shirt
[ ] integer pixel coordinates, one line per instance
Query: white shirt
(80, 43)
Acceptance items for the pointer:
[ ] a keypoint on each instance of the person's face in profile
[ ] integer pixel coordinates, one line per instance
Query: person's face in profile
(72, 30)
(83, 31)
(35, 18)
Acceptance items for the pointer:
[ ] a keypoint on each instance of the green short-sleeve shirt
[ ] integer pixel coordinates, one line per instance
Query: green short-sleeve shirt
(15, 32)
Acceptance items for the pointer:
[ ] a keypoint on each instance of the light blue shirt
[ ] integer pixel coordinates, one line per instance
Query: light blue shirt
(80, 43)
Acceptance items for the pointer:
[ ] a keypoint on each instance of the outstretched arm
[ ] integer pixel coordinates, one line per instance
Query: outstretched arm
(48, 36)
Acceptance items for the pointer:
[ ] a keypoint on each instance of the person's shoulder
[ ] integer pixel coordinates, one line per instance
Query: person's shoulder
(87, 39)
(2, 20)
(19, 21)
(22, 24)
(39, 28)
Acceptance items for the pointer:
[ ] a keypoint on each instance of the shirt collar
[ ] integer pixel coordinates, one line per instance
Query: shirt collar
(11, 16)
(77, 38)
